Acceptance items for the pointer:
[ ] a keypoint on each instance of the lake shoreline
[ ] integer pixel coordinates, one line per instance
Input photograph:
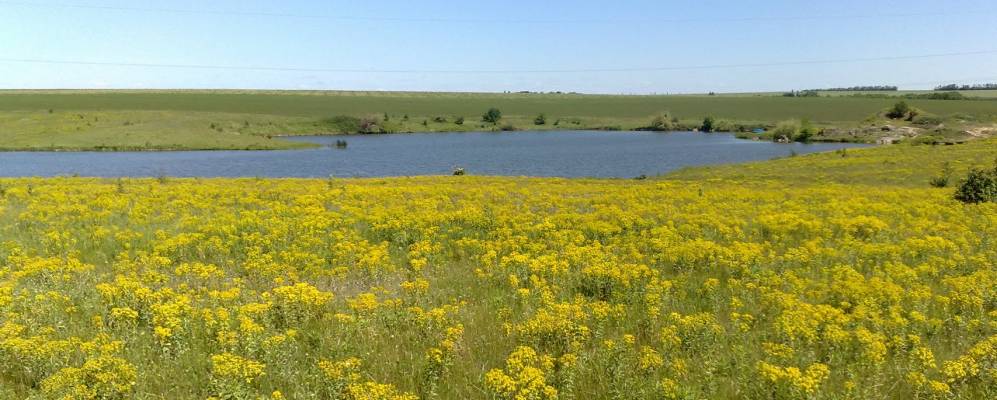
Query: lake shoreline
(305, 145)
(567, 154)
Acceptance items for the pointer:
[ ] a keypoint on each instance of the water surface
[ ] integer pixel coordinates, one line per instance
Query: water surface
(564, 154)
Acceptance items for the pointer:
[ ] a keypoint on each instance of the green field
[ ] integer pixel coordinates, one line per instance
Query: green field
(882, 166)
(169, 120)
(981, 94)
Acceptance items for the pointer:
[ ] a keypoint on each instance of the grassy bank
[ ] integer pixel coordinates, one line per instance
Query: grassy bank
(163, 120)
(751, 281)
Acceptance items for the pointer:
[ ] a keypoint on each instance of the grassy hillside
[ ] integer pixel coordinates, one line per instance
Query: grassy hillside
(756, 284)
(191, 119)
(901, 165)
(472, 105)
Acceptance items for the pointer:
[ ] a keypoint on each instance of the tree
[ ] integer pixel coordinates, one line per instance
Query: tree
(493, 116)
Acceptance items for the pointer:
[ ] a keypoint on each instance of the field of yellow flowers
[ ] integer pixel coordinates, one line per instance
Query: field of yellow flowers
(495, 288)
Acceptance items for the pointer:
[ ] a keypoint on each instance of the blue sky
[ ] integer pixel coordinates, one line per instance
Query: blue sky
(512, 35)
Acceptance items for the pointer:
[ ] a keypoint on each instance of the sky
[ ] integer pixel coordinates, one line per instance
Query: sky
(685, 46)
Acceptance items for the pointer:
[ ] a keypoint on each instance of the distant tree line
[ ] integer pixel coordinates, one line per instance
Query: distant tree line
(979, 86)
(860, 89)
(801, 93)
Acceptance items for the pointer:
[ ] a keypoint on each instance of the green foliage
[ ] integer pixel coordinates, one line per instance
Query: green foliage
(806, 133)
(663, 122)
(802, 93)
(707, 125)
(938, 96)
(459, 120)
(786, 130)
(898, 111)
(927, 120)
(492, 116)
(942, 179)
(540, 120)
(724, 125)
(979, 186)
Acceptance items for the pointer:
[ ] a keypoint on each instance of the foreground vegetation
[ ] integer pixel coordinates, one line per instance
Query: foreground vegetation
(175, 120)
(757, 283)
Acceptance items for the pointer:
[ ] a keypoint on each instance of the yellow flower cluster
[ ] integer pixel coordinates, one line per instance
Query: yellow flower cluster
(103, 377)
(446, 288)
(227, 366)
(524, 377)
(345, 382)
(806, 381)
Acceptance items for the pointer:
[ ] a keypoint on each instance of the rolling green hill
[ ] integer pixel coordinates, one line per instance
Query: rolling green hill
(232, 119)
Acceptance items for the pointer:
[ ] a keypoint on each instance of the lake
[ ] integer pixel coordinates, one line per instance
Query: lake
(563, 154)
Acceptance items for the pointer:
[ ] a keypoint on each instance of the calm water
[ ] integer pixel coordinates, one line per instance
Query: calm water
(567, 154)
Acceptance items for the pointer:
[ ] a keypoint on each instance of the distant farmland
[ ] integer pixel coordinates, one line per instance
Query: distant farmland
(325, 104)
(230, 119)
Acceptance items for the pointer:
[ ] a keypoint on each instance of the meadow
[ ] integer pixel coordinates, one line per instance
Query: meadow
(742, 281)
(175, 120)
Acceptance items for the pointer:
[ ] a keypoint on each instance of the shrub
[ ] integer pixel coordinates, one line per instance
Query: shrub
(493, 116)
(807, 131)
(458, 120)
(663, 122)
(439, 119)
(942, 179)
(724, 125)
(787, 129)
(708, 123)
(979, 186)
(898, 111)
(939, 181)
(927, 120)
(540, 120)
(371, 125)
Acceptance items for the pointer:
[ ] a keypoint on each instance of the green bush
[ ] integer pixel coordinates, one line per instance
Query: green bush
(663, 122)
(927, 120)
(707, 125)
(898, 111)
(492, 116)
(788, 129)
(942, 179)
(806, 133)
(978, 187)
(540, 120)
(724, 125)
